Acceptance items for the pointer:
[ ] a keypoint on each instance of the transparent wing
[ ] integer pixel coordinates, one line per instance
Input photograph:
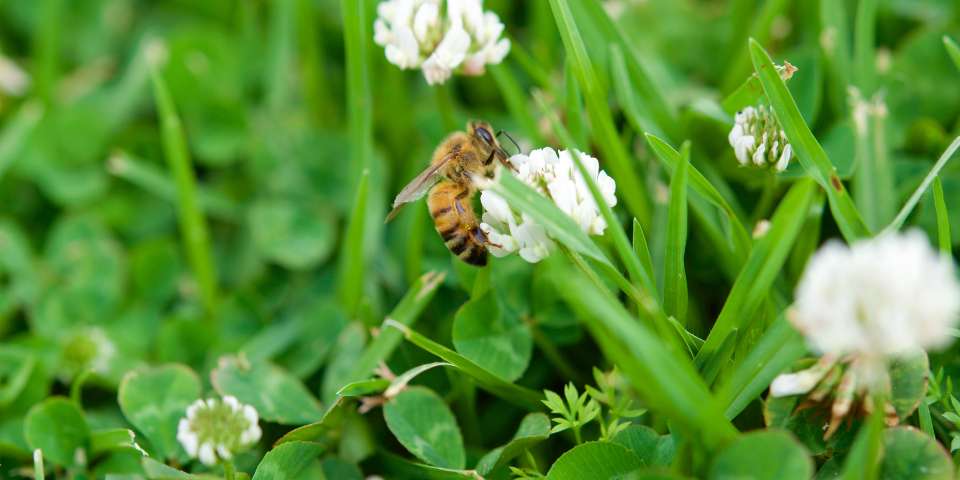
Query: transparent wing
(418, 187)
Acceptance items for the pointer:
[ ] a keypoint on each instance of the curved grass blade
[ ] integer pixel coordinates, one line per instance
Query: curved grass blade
(652, 97)
(573, 101)
(668, 383)
(605, 132)
(674, 274)
(943, 218)
(642, 250)
(953, 49)
(193, 226)
(624, 90)
(863, 461)
(405, 313)
(924, 185)
(669, 158)
(520, 396)
(779, 347)
(17, 132)
(809, 152)
(404, 468)
(761, 269)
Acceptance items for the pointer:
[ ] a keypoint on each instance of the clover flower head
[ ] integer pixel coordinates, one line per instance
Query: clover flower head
(461, 37)
(215, 430)
(553, 174)
(881, 297)
(87, 349)
(13, 80)
(758, 140)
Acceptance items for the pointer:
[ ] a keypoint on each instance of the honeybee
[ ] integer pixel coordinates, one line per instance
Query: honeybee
(448, 183)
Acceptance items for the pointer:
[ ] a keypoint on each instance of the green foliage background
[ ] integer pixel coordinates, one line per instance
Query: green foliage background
(219, 222)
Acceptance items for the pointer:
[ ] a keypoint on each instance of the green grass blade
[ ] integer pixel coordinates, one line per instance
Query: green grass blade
(405, 313)
(642, 250)
(530, 66)
(864, 52)
(144, 175)
(359, 101)
(520, 396)
(669, 158)
(779, 347)
(282, 38)
(623, 88)
(17, 132)
(873, 178)
(674, 275)
(943, 218)
(193, 227)
(953, 49)
(47, 44)
(634, 192)
(761, 269)
(668, 383)
(924, 185)
(806, 147)
(516, 100)
(835, 48)
(747, 94)
(352, 259)
(863, 461)
(652, 97)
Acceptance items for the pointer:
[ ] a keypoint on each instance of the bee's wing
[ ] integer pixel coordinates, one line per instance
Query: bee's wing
(418, 187)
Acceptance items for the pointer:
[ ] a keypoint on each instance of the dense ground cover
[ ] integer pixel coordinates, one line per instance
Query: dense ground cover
(192, 196)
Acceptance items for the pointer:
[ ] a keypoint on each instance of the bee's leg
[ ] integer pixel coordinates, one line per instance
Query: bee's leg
(482, 239)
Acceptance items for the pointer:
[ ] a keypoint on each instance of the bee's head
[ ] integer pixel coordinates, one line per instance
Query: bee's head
(483, 133)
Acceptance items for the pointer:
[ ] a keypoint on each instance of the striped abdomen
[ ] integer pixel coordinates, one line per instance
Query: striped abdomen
(457, 224)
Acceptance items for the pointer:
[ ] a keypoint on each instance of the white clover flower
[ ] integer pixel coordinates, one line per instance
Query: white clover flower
(555, 176)
(88, 349)
(886, 296)
(440, 37)
(215, 430)
(758, 140)
(13, 80)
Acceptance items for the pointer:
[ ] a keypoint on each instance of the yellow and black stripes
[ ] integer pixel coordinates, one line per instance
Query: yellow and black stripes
(456, 222)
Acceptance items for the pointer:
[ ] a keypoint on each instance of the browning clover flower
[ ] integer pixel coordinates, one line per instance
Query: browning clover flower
(758, 140)
(440, 41)
(215, 430)
(864, 306)
(555, 176)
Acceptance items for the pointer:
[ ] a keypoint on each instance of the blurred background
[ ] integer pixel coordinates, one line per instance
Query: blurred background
(95, 275)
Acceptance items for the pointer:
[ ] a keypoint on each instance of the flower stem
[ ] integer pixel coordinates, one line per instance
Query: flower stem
(229, 471)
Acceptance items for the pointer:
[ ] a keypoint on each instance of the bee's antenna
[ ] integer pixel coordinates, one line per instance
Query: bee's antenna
(503, 132)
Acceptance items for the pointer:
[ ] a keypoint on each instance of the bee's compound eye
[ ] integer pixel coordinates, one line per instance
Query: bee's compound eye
(485, 135)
